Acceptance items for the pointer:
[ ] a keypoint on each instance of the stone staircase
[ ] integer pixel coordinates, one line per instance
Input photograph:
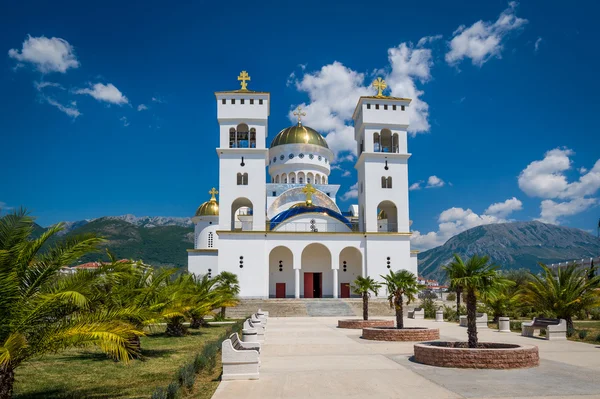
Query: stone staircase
(325, 307)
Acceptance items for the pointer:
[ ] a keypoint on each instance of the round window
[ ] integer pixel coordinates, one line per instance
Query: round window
(274, 159)
(311, 156)
(281, 157)
(291, 156)
(301, 156)
(320, 157)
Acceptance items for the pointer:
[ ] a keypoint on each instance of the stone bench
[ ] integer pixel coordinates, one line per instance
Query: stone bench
(481, 320)
(240, 364)
(261, 317)
(260, 329)
(254, 318)
(555, 328)
(241, 345)
(416, 313)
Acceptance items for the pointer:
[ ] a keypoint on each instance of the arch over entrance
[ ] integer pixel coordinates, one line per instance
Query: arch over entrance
(350, 269)
(241, 214)
(387, 217)
(281, 273)
(316, 279)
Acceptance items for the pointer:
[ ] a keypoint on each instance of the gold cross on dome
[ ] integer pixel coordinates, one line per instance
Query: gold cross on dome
(380, 85)
(299, 114)
(243, 78)
(309, 190)
(213, 192)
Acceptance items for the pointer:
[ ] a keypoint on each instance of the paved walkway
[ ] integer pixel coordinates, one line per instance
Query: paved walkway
(307, 357)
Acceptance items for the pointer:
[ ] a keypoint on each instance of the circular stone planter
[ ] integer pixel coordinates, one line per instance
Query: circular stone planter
(488, 355)
(404, 334)
(358, 323)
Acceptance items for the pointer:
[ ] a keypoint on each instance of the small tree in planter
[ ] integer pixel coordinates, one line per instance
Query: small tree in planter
(477, 275)
(399, 284)
(363, 286)
(451, 269)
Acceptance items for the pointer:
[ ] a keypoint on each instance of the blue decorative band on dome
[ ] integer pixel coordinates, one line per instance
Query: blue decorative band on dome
(298, 210)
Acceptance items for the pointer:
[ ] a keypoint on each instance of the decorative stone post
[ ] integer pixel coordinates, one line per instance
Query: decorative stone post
(297, 283)
(504, 324)
(335, 283)
(439, 315)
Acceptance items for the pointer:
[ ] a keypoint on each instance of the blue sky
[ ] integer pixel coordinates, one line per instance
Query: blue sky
(505, 97)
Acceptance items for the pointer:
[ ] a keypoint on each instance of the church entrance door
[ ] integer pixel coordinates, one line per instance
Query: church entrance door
(345, 290)
(313, 285)
(279, 290)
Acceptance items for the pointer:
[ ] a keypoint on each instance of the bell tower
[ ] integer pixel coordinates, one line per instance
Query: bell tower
(243, 122)
(380, 129)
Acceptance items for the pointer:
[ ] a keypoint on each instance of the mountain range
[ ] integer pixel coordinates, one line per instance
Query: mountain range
(162, 241)
(512, 246)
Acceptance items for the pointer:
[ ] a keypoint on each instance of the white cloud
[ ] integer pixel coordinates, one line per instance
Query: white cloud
(428, 39)
(39, 86)
(537, 44)
(483, 40)
(124, 120)
(70, 110)
(334, 90)
(503, 209)
(456, 220)
(351, 193)
(346, 173)
(48, 55)
(157, 100)
(583, 170)
(142, 107)
(416, 186)
(434, 181)
(546, 179)
(552, 211)
(108, 93)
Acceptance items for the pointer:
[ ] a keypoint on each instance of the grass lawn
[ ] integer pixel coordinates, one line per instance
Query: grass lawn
(88, 373)
(593, 331)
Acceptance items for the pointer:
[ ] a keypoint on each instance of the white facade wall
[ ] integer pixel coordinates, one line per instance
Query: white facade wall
(285, 167)
(200, 262)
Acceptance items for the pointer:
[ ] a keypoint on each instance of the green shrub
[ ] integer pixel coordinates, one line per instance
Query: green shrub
(598, 338)
(451, 297)
(516, 325)
(187, 376)
(160, 393)
(173, 391)
(582, 334)
(570, 332)
(429, 308)
(595, 314)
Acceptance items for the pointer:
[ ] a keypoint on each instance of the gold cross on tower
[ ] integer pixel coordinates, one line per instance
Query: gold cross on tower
(243, 78)
(213, 192)
(299, 114)
(380, 85)
(309, 190)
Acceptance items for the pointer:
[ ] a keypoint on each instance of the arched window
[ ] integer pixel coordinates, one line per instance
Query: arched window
(301, 178)
(242, 179)
(376, 143)
(210, 239)
(395, 143)
(277, 179)
(292, 178)
(284, 178)
(272, 180)
(324, 180)
(242, 136)
(386, 182)
(385, 140)
(310, 178)
(253, 138)
(317, 179)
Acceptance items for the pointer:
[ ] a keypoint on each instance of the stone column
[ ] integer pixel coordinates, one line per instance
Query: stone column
(335, 283)
(297, 283)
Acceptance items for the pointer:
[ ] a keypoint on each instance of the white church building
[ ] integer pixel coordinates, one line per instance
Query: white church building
(276, 223)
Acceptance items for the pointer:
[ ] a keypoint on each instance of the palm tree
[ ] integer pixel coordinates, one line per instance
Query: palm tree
(363, 286)
(563, 293)
(476, 276)
(451, 269)
(229, 287)
(399, 284)
(43, 310)
(205, 298)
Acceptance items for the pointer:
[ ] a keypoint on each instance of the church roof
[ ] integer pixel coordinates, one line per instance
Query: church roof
(300, 209)
(210, 207)
(299, 134)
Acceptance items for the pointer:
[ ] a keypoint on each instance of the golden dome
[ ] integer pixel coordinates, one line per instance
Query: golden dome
(210, 207)
(299, 134)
